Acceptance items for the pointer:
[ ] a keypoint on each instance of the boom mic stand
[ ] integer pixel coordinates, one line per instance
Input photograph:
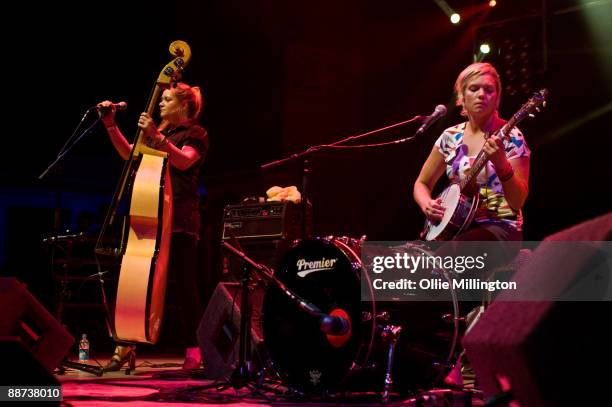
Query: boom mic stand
(306, 168)
(243, 372)
(74, 138)
(269, 277)
(242, 375)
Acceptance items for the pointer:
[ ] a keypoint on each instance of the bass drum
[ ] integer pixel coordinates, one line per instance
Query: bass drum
(327, 272)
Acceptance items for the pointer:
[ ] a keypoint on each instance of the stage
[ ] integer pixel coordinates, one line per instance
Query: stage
(158, 379)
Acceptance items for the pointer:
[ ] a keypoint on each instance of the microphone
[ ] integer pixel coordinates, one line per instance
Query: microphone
(334, 325)
(439, 111)
(117, 106)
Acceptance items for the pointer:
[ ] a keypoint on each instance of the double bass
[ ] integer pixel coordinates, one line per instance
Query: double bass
(145, 242)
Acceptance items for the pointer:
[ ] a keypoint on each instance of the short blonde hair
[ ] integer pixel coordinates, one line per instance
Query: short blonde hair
(471, 71)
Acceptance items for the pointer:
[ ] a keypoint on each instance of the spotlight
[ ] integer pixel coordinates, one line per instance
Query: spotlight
(455, 18)
(492, 3)
(485, 48)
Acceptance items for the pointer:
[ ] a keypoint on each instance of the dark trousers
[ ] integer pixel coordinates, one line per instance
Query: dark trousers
(183, 267)
(499, 254)
(509, 238)
(490, 231)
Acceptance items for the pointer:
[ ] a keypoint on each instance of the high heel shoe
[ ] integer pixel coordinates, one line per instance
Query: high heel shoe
(193, 359)
(121, 356)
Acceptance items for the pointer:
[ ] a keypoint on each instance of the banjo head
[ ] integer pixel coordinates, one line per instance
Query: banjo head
(450, 198)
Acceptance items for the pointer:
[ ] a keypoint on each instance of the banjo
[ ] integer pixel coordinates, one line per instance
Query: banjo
(461, 207)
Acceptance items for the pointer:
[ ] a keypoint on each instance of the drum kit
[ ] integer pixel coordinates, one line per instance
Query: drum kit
(323, 337)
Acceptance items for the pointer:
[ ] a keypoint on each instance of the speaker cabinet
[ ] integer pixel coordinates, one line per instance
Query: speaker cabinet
(30, 334)
(21, 366)
(219, 330)
(547, 353)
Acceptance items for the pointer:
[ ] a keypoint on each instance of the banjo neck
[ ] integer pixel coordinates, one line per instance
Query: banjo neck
(534, 103)
(483, 157)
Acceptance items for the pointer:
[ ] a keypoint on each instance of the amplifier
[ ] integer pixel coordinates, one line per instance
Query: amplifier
(269, 220)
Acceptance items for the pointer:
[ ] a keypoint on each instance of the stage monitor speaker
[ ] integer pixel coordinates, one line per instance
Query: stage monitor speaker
(219, 330)
(27, 321)
(21, 366)
(547, 353)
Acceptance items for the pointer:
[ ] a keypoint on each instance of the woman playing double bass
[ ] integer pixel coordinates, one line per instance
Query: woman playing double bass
(186, 143)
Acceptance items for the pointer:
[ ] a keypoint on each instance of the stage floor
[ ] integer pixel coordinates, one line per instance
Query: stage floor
(158, 379)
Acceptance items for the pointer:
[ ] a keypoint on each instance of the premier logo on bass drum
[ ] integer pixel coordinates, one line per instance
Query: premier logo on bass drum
(306, 267)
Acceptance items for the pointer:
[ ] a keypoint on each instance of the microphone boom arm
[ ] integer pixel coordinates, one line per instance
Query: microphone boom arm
(329, 324)
(267, 274)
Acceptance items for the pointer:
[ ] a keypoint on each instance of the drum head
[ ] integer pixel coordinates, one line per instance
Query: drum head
(324, 274)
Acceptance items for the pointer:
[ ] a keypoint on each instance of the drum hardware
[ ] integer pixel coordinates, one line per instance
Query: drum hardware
(383, 316)
(442, 397)
(450, 318)
(390, 334)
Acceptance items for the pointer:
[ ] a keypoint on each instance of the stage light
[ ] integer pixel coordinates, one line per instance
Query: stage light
(492, 3)
(485, 48)
(450, 13)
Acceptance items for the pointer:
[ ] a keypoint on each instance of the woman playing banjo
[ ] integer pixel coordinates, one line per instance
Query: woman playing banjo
(502, 185)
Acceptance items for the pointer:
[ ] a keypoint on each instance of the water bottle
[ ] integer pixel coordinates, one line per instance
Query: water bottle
(84, 348)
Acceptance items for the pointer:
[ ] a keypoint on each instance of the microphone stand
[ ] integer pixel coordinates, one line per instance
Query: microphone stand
(67, 146)
(306, 169)
(268, 276)
(242, 375)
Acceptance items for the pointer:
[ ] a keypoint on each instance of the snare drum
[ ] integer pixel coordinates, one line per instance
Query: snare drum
(327, 272)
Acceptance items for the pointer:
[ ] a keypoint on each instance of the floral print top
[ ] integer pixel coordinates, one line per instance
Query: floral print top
(493, 205)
